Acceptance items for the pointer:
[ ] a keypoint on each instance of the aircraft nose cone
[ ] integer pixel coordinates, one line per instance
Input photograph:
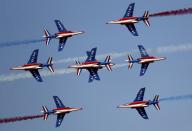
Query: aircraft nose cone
(70, 66)
(77, 109)
(82, 32)
(109, 22)
(119, 106)
(112, 64)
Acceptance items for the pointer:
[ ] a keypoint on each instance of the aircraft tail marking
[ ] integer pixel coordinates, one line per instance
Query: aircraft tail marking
(47, 36)
(156, 102)
(130, 59)
(78, 69)
(50, 64)
(108, 60)
(45, 111)
(146, 18)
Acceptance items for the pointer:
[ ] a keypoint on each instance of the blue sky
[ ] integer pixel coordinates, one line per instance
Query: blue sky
(25, 20)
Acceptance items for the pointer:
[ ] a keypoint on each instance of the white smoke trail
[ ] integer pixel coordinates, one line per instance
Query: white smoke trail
(164, 49)
(115, 55)
(174, 48)
(182, 97)
(26, 75)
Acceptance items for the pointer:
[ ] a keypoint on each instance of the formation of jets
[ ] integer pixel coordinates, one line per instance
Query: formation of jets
(60, 111)
(92, 65)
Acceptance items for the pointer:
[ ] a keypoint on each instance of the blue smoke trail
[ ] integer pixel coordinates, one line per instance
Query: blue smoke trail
(24, 42)
(183, 97)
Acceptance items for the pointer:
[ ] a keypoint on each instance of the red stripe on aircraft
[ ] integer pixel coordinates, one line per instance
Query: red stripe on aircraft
(59, 33)
(138, 102)
(92, 62)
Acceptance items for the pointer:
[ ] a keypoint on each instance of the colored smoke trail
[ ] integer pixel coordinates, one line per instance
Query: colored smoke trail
(15, 43)
(182, 97)
(173, 12)
(20, 118)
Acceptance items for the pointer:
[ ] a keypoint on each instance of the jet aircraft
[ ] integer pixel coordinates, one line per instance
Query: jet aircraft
(129, 20)
(62, 35)
(92, 65)
(145, 60)
(60, 111)
(33, 66)
(139, 104)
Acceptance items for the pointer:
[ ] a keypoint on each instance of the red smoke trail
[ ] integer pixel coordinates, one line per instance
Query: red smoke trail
(173, 12)
(20, 118)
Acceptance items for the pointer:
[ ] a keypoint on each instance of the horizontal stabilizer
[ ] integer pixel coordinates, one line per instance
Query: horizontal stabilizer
(146, 18)
(45, 111)
(130, 59)
(50, 64)
(47, 36)
(156, 102)
(108, 61)
(78, 69)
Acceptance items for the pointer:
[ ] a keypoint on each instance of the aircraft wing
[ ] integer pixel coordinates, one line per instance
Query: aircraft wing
(129, 11)
(142, 112)
(33, 57)
(60, 26)
(91, 55)
(143, 68)
(142, 50)
(93, 74)
(62, 42)
(132, 29)
(140, 95)
(59, 119)
(36, 75)
(58, 102)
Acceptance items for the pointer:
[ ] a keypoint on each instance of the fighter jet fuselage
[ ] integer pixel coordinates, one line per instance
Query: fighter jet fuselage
(29, 66)
(93, 64)
(150, 59)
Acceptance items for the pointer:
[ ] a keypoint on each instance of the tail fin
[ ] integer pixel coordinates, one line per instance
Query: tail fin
(108, 60)
(130, 64)
(45, 111)
(78, 69)
(146, 18)
(47, 36)
(50, 64)
(156, 102)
